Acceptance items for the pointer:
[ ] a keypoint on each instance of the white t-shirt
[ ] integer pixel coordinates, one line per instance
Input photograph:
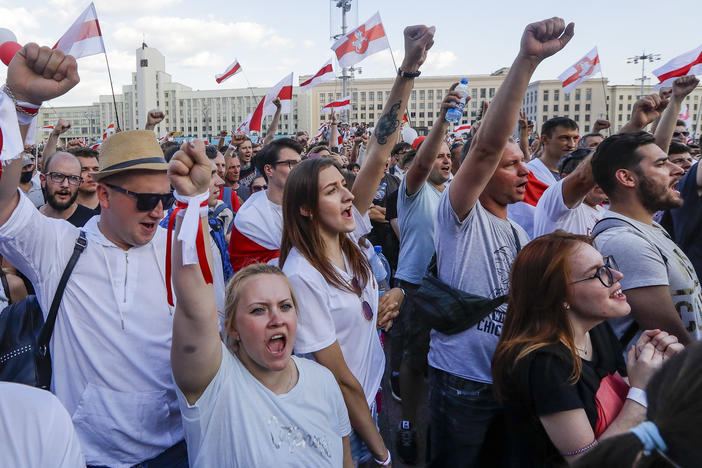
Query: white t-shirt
(261, 220)
(238, 422)
(522, 212)
(474, 255)
(111, 346)
(36, 430)
(327, 314)
(552, 213)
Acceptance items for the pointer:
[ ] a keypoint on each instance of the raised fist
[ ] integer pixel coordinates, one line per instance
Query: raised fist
(545, 38)
(600, 124)
(37, 74)
(647, 109)
(153, 118)
(684, 86)
(190, 170)
(418, 40)
(62, 126)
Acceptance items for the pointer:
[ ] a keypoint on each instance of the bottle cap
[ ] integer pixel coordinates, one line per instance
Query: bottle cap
(464, 80)
(378, 249)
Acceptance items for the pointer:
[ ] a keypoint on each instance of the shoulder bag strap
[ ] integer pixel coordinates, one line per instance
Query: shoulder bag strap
(607, 223)
(48, 328)
(516, 237)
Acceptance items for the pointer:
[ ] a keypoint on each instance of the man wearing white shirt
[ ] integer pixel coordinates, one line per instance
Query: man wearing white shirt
(111, 345)
(573, 203)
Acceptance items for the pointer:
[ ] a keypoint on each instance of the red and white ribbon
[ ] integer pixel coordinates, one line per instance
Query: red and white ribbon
(190, 235)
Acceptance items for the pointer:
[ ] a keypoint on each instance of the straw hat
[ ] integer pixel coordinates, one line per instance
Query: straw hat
(129, 151)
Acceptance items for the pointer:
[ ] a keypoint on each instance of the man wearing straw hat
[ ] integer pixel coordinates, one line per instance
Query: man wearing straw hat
(111, 343)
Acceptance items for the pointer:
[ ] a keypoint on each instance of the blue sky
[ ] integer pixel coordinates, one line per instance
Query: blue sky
(273, 37)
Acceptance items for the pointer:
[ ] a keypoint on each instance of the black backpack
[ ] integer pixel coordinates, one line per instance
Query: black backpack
(24, 336)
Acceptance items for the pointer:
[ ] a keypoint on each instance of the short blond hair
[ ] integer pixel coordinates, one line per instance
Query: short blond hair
(233, 290)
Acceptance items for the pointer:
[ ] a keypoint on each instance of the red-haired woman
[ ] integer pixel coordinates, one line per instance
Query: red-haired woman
(557, 367)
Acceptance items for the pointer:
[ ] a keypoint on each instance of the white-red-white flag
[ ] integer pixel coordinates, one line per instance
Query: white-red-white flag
(689, 63)
(581, 70)
(283, 90)
(231, 70)
(244, 126)
(84, 37)
(325, 73)
(462, 129)
(365, 40)
(47, 128)
(338, 105)
(108, 131)
(685, 116)
(11, 144)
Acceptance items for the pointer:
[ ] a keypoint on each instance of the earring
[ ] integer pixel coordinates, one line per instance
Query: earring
(566, 306)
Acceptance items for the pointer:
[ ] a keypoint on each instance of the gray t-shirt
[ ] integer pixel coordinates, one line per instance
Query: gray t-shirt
(475, 256)
(642, 265)
(415, 216)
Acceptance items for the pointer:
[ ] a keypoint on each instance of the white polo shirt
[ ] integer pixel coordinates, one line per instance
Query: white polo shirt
(111, 345)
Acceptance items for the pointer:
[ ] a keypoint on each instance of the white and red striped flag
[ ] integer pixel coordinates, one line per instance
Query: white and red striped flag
(108, 131)
(462, 129)
(689, 63)
(47, 128)
(581, 70)
(84, 37)
(365, 40)
(325, 73)
(11, 144)
(244, 126)
(231, 70)
(283, 91)
(338, 105)
(685, 116)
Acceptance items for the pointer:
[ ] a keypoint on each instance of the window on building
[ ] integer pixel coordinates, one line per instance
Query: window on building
(619, 117)
(544, 119)
(414, 94)
(483, 93)
(413, 114)
(577, 118)
(421, 115)
(628, 107)
(566, 96)
(430, 123)
(587, 117)
(629, 97)
(577, 108)
(430, 94)
(556, 95)
(371, 95)
(492, 92)
(577, 94)
(545, 107)
(474, 93)
(363, 95)
(144, 63)
(621, 107)
(422, 94)
(566, 107)
(545, 95)
(588, 94)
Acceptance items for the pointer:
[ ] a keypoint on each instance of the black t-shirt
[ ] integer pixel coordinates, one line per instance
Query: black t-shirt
(540, 384)
(391, 206)
(81, 215)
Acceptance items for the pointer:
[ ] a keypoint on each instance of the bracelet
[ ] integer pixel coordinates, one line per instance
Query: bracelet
(580, 450)
(26, 111)
(386, 462)
(405, 74)
(637, 395)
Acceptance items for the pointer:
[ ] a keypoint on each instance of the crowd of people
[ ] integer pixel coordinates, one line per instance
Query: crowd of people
(539, 294)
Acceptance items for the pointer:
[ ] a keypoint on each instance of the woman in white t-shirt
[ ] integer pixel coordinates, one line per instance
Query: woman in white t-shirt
(249, 402)
(333, 280)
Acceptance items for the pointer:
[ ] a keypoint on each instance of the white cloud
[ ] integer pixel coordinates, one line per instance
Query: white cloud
(201, 59)
(308, 43)
(441, 60)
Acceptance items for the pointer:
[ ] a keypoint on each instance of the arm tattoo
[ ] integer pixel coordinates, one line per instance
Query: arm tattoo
(387, 124)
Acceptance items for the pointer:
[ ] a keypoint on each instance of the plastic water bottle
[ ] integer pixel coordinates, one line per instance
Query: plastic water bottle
(383, 274)
(454, 115)
(380, 193)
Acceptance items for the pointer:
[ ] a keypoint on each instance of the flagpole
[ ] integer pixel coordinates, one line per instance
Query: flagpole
(114, 100)
(697, 122)
(247, 82)
(392, 56)
(604, 90)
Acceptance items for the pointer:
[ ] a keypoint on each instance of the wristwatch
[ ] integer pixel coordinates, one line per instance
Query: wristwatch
(405, 74)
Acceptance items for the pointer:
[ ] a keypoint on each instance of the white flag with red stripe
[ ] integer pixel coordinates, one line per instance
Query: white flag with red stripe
(108, 131)
(462, 129)
(84, 37)
(325, 73)
(365, 40)
(11, 144)
(244, 126)
(283, 91)
(580, 71)
(685, 116)
(231, 70)
(338, 105)
(689, 63)
(47, 128)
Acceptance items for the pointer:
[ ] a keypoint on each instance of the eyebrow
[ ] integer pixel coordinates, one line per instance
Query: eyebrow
(337, 182)
(661, 159)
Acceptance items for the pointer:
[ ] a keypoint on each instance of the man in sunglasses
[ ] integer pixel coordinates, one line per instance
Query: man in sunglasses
(60, 181)
(111, 344)
(258, 225)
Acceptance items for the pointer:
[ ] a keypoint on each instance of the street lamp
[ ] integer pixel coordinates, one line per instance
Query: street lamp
(651, 57)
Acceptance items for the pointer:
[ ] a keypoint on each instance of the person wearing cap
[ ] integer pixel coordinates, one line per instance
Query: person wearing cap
(111, 343)
(28, 183)
(573, 204)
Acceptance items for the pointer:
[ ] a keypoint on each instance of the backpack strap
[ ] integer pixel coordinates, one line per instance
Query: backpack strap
(608, 223)
(5, 286)
(48, 328)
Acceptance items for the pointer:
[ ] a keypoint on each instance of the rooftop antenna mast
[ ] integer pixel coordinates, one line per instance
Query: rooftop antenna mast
(349, 18)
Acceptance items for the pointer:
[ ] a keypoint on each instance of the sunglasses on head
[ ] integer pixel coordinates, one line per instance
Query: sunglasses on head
(147, 201)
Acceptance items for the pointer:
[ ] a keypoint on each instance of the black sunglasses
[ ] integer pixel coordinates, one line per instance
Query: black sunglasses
(147, 201)
(258, 188)
(603, 273)
(677, 134)
(366, 309)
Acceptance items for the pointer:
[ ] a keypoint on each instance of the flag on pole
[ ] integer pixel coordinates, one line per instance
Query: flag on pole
(108, 131)
(244, 126)
(47, 128)
(11, 144)
(231, 70)
(325, 73)
(689, 63)
(84, 37)
(685, 116)
(462, 129)
(581, 70)
(283, 91)
(338, 105)
(365, 40)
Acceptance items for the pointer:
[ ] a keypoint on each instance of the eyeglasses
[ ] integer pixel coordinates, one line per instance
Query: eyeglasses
(603, 273)
(678, 134)
(258, 188)
(290, 162)
(58, 178)
(147, 201)
(366, 309)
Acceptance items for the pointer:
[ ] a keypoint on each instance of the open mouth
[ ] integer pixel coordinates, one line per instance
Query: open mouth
(618, 294)
(149, 226)
(347, 213)
(276, 344)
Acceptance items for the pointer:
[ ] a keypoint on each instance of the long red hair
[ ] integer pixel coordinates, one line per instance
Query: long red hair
(536, 315)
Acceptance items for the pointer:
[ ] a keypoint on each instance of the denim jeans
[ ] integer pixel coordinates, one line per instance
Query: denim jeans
(174, 457)
(461, 411)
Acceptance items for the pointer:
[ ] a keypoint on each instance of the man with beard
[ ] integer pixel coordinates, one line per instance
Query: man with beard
(60, 182)
(659, 280)
(87, 191)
